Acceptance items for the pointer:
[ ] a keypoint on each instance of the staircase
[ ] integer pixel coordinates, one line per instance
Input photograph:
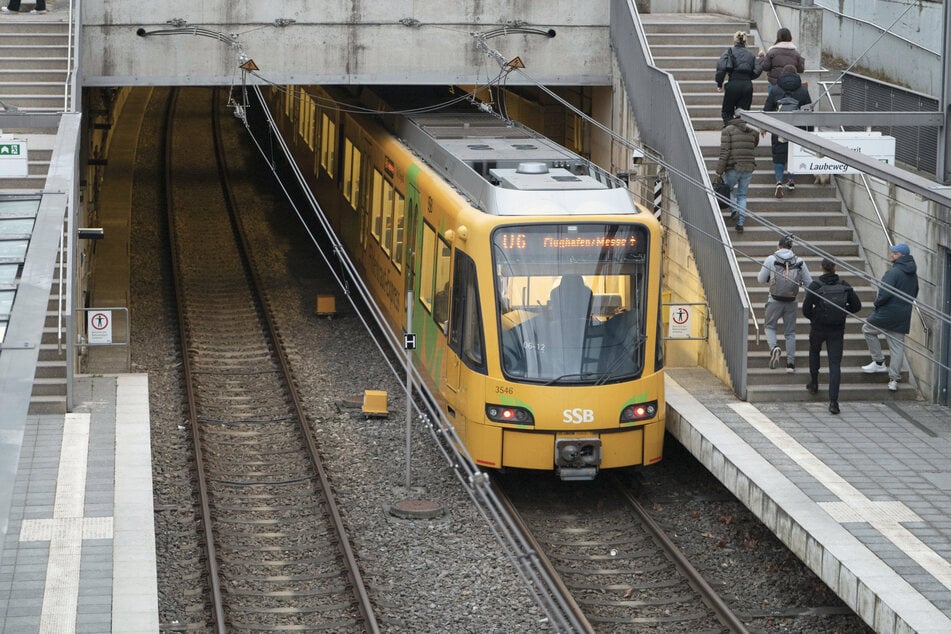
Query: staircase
(33, 79)
(688, 46)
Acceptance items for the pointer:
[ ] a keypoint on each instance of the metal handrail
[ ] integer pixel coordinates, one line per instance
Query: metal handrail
(775, 13)
(878, 214)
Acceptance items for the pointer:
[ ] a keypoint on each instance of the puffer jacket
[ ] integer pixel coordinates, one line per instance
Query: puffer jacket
(747, 66)
(738, 143)
(779, 55)
(892, 312)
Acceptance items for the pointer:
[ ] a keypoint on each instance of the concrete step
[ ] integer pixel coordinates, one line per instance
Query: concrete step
(51, 352)
(33, 38)
(700, 38)
(852, 361)
(51, 369)
(35, 63)
(713, 23)
(847, 392)
(758, 242)
(36, 103)
(699, 50)
(31, 181)
(34, 50)
(53, 386)
(45, 405)
(24, 85)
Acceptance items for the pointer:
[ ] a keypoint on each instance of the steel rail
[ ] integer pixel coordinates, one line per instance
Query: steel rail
(710, 596)
(364, 603)
(214, 579)
(575, 613)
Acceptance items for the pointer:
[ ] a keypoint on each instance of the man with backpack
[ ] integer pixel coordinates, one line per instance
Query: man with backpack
(788, 94)
(785, 272)
(827, 302)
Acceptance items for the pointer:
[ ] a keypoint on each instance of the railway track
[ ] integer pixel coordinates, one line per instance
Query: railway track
(621, 569)
(278, 553)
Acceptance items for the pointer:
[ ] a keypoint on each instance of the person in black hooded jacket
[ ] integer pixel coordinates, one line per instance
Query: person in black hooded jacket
(827, 321)
(892, 314)
(789, 83)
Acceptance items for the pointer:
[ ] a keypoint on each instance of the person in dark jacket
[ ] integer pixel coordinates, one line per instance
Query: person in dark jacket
(790, 84)
(738, 143)
(742, 67)
(892, 314)
(781, 54)
(827, 321)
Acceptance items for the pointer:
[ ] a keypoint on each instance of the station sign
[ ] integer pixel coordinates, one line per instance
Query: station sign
(13, 158)
(872, 144)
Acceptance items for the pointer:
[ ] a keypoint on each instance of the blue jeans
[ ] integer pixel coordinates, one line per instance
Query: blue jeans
(739, 184)
(779, 169)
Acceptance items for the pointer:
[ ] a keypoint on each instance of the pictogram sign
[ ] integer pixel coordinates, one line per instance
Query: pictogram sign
(99, 324)
(680, 316)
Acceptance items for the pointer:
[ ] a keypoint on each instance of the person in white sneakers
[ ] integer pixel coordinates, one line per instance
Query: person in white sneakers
(14, 7)
(892, 314)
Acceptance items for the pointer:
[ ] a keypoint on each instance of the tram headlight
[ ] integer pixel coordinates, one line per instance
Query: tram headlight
(639, 411)
(509, 414)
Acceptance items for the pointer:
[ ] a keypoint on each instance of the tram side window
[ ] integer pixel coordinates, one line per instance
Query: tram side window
(388, 200)
(376, 214)
(399, 214)
(441, 300)
(305, 119)
(289, 100)
(427, 267)
(466, 323)
(311, 123)
(351, 172)
(328, 144)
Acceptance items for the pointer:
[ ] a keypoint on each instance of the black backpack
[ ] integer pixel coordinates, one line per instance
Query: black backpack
(832, 303)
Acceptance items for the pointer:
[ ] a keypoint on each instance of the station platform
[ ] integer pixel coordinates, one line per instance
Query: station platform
(861, 497)
(79, 550)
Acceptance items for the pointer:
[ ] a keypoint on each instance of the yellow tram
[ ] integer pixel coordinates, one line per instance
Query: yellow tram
(535, 278)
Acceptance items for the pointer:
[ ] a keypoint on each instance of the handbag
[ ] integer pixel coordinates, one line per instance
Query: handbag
(730, 60)
(722, 191)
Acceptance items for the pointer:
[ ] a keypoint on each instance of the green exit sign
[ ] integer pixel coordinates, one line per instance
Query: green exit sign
(13, 158)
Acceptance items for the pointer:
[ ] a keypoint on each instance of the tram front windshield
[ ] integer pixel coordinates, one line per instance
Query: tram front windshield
(571, 302)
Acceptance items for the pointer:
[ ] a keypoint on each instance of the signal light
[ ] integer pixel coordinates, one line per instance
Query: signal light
(639, 411)
(509, 414)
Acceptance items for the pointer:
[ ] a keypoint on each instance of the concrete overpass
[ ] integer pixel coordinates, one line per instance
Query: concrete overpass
(343, 41)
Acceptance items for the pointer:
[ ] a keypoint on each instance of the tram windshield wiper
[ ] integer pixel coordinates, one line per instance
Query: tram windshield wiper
(578, 376)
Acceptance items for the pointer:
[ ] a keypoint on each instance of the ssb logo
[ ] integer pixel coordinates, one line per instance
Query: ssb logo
(577, 416)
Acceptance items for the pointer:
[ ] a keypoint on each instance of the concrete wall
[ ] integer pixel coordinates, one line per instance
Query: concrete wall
(916, 65)
(343, 41)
